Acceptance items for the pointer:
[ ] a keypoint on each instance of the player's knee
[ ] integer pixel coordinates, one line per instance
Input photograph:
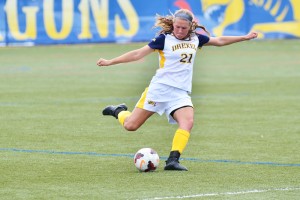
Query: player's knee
(129, 126)
(190, 123)
(187, 124)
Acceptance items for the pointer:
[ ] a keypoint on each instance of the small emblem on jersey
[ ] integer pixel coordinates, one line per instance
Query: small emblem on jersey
(152, 103)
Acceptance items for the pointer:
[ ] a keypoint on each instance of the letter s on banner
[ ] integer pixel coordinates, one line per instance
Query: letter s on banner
(132, 18)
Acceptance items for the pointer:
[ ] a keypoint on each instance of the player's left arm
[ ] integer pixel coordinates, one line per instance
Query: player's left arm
(226, 40)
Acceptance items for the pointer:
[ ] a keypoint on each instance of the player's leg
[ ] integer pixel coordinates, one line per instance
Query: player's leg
(184, 116)
(131, 121)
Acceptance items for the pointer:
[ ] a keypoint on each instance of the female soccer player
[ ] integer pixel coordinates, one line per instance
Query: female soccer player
(171, 86)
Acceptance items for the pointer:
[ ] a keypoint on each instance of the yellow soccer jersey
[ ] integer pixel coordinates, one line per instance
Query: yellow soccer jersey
(176, 59)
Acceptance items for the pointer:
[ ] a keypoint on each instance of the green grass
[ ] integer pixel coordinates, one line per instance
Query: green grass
(247, 124)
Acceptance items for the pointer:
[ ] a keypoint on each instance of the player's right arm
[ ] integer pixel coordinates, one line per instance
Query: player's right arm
(127, 57)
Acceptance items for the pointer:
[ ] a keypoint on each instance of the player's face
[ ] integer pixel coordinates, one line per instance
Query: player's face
(181, 28)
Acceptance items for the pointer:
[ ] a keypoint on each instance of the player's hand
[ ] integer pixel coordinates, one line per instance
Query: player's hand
(103, 62)
(251, 35)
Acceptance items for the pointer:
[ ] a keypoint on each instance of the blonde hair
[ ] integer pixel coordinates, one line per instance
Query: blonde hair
(166, 22)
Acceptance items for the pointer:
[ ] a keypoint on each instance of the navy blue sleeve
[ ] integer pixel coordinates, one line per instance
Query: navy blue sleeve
(203, 39)
(158, 42)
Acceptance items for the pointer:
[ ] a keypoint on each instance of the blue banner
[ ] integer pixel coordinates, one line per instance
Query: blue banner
(27, 22)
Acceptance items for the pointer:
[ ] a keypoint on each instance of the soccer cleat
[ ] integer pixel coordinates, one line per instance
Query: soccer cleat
(173, 162)
(114, 110)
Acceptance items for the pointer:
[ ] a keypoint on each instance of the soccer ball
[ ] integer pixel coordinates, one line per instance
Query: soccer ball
(146, 160)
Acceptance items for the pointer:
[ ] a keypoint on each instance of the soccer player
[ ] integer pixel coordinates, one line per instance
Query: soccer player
(171, 86)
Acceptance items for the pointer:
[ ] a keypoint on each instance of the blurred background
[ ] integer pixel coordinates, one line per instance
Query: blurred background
(31, 22)
(56, 144)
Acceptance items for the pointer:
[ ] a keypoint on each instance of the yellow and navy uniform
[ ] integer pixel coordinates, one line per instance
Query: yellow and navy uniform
(176, 59)
(171, 85)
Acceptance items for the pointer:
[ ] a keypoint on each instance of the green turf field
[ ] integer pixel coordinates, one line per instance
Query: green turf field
(54, 144)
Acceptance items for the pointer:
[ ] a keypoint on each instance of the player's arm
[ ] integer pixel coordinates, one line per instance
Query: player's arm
(127, 57)
(226, 40)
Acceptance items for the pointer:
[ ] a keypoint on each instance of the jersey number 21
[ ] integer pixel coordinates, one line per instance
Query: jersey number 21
(186, 58)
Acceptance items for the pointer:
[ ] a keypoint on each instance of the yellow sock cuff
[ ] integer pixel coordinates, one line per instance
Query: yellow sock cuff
(180, 140)
(122, 116)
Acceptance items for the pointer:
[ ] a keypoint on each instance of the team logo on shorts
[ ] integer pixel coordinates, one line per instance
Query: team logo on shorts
(152, 103)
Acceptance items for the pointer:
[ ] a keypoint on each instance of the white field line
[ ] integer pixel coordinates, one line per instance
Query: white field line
(226, 193)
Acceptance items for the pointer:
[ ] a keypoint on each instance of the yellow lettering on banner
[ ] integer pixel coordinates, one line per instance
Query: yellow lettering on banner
(85, 20)
(100, 13)
(132, 18)
(67, 19)
(275, 9)
(268, 5)
(258, 2)
(11, 9)
(296, 8)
